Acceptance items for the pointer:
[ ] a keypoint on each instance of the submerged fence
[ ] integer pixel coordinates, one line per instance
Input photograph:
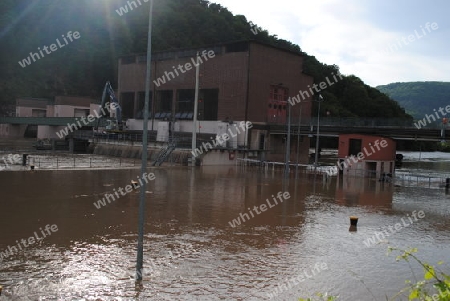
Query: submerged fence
(403, 179)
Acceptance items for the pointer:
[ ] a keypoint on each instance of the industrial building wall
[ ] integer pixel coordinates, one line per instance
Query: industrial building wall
(274, 67)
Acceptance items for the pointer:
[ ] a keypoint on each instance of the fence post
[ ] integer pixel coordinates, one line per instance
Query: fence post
(56, 162)
(90, 163)
(74, 162)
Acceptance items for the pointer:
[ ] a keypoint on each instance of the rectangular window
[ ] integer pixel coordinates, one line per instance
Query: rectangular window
(127, 105)
(208, 104)
(38, 113)
(141, 103)
(163, 104)
(81, 112)
(277, 104)
(354, 147)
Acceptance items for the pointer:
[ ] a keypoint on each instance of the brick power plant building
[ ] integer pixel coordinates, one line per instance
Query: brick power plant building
(242, 81)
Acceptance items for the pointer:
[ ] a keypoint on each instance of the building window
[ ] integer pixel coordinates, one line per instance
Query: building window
(127, 104)
(81, 112)
(276, 112)
(38, 113)
(163, 104)
(140, 105)
(354, 147)
(208, 104)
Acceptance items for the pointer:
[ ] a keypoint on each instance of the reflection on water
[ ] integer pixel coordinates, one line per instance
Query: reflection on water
(353, 191)
(191, 252)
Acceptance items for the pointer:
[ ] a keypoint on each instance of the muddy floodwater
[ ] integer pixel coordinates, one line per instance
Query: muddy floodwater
(194, 248)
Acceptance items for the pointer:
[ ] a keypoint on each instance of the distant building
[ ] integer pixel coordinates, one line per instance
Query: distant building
(60, 106)
(242, 81)
(366, 155)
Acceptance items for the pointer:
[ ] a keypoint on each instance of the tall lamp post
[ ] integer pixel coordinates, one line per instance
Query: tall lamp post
(288, 143)
(141, 216)
(316, 160)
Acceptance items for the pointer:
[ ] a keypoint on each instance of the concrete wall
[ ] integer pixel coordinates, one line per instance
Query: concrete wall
(363, 168)
(12, 131)
(221, 158)
(48, 132)
(185, 126)
(67, 110)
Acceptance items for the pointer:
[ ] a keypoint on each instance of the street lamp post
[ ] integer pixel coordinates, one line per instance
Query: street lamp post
(298, 139)
(316, 160)
(141, 216)
(288, 143)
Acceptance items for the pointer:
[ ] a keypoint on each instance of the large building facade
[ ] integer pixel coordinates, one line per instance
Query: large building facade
(242, 81)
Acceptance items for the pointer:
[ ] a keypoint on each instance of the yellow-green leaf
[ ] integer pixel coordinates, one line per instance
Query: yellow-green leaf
(429, 274)
(414, 294)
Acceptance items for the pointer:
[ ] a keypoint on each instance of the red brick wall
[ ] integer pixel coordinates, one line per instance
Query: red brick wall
(228, 72)
(373, 153)
(270, 66)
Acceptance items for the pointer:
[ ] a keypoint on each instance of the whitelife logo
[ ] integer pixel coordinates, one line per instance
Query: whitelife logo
(91, 118)
(296, 280)
(380, 236)
(281, 196)
(12, 159)
(28, 242)
(124, 9)
(218, 142)
(302, 95)
(129, 188)
(169, 75)
(423, 122)
(52, 48)
(412, 37)
(359, 157)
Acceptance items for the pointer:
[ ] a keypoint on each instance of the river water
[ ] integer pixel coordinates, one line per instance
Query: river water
(191, 252)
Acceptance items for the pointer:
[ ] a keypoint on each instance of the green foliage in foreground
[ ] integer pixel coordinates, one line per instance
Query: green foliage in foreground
(435, 285)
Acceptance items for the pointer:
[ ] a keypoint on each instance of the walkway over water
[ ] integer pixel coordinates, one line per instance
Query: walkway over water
(399, 129)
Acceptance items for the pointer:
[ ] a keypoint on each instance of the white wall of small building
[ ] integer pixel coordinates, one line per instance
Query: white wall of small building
(235, 131)
(361, 168)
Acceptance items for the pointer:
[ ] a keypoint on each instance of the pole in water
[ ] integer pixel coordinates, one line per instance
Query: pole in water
(353, 223)
(140, 246)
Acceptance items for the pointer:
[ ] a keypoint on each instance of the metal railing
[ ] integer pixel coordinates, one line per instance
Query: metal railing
(359, 122)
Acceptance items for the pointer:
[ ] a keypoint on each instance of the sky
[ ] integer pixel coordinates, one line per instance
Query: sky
(380, 41)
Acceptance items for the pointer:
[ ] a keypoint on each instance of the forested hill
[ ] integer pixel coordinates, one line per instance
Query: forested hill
(83, 65)
(419, 98)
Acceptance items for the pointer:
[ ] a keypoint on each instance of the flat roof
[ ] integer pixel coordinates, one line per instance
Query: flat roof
(212, 46)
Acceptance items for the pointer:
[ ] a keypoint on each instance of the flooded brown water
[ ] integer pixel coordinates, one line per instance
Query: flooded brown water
(192, 252)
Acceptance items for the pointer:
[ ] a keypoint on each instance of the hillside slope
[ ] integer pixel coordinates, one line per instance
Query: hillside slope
(106, 31)
(419, 98)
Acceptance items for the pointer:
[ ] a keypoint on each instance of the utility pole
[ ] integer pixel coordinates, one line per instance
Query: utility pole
(316, 161)
(288, 143)
(194, 122)
(140, 246)
(298, 138)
